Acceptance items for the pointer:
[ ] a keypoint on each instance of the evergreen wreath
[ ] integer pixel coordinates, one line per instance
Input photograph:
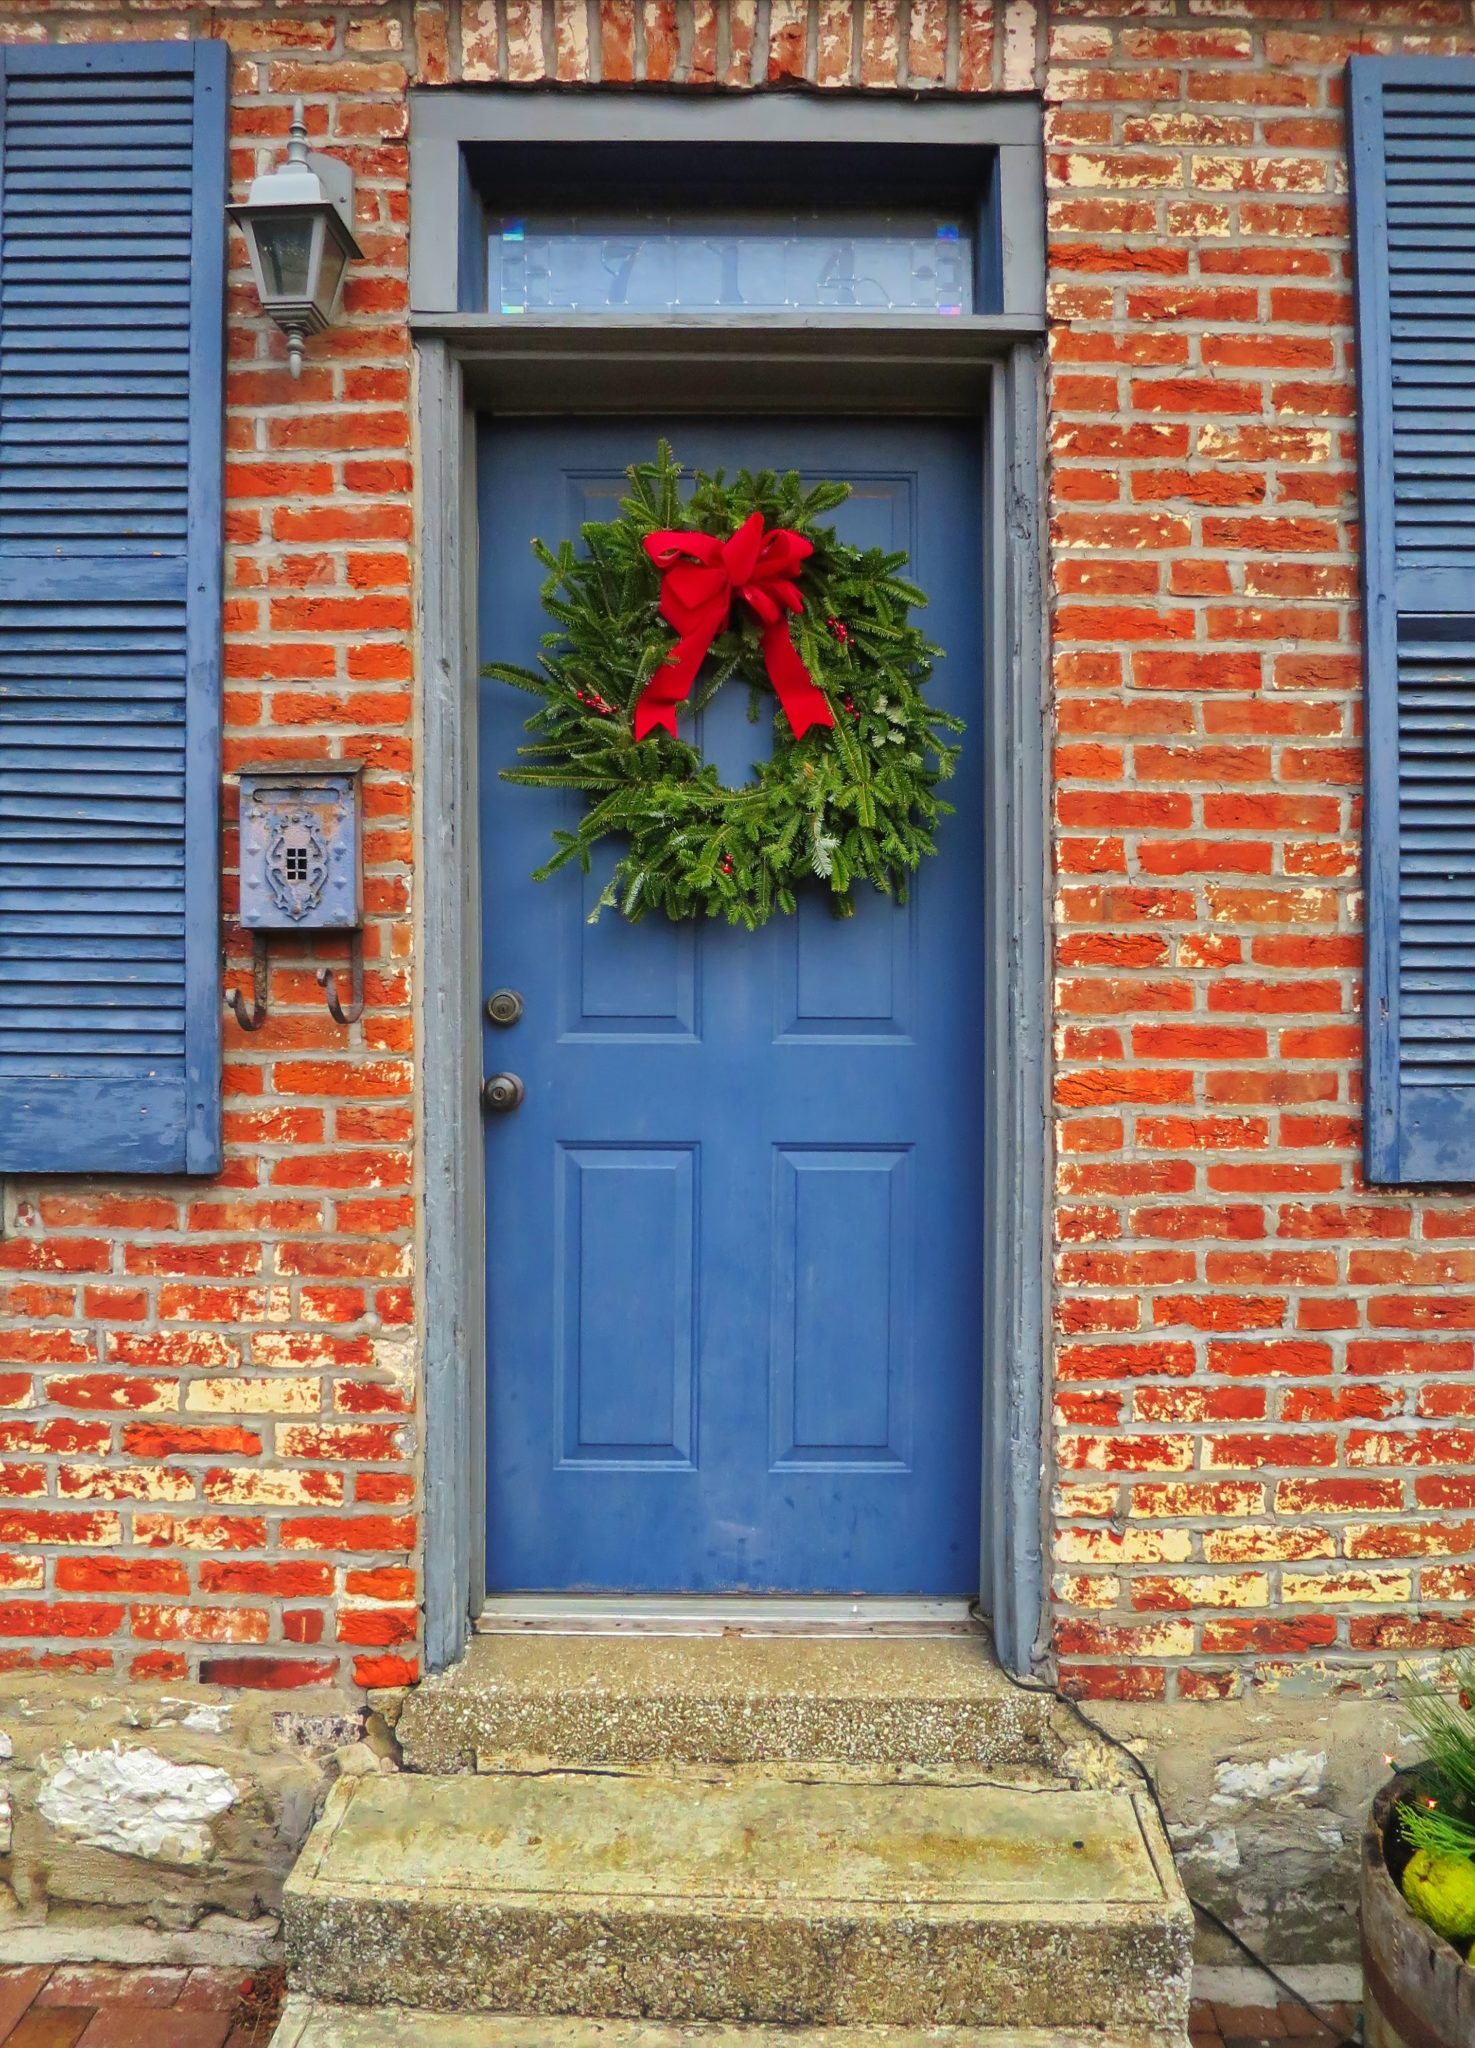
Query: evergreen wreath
(852, 800)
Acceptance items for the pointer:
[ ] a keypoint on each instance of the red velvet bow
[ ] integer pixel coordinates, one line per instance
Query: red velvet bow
(700, 576)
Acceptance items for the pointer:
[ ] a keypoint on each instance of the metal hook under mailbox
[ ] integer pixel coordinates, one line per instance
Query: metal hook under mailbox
(251, 1016)
(328, 983)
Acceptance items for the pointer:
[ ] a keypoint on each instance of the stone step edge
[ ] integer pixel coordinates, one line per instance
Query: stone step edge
(315, 2023)
(681, 1705)
(362, 1929)
(1127, 1968)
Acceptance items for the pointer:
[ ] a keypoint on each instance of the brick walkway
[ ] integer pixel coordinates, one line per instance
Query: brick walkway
(90, 2005)
(1267, 2026)
(102, 2006)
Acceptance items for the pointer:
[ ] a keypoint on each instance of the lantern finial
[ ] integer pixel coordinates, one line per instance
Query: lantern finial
(297, 135)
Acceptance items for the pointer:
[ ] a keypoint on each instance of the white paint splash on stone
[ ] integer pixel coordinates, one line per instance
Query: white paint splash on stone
(1215, 1849)
(1296, 1775)
(207, 1718)
(201, 1717)
(136, 1802)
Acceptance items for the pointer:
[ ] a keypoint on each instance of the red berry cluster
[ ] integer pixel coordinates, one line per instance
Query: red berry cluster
(727, 863)
(595, 702)
(851, 707)
(839, 628)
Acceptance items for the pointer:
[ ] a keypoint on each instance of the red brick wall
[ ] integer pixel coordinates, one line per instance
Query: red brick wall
(208, 1393)
(1266, 1449)
(207, 1390)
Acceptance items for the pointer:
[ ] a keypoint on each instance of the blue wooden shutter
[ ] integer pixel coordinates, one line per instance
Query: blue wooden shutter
(112, 184)
(1413, 151)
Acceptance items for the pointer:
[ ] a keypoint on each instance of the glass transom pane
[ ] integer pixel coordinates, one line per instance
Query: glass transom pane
(898, 261)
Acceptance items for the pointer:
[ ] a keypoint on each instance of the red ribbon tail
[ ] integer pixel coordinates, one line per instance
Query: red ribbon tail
(648, 716)
(671, 685)
(804, 702)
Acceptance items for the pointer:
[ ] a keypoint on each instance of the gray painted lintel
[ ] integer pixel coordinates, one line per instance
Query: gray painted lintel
(802, 333)
(823, 363)
(469, 113)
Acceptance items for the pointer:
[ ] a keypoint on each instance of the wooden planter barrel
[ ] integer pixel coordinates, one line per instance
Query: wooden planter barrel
(1418, 1992)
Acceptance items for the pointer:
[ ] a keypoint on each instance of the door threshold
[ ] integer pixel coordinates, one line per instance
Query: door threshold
(720, 1614)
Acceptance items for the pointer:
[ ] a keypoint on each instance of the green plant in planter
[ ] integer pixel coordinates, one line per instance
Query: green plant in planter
(1438, 1821)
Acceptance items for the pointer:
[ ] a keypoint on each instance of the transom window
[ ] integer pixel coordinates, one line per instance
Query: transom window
(772, 230)
(913, 260)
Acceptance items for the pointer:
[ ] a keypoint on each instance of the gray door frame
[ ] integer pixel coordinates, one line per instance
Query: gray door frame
(989, 366)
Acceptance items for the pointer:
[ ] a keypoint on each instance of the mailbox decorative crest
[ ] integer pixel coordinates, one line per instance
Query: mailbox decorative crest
(297, 865)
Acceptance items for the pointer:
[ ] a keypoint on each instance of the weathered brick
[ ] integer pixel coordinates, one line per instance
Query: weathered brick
(1230, 1300)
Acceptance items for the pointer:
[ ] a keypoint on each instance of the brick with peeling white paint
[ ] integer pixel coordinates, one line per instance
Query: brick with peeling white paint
(1021, 28)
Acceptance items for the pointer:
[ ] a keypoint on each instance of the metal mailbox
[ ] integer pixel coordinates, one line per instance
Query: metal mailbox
(302, 846)
(302, 870)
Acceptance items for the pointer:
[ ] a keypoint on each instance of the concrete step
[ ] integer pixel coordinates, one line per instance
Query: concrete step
(778, 1896)
(570, 1699)
(307, 2024)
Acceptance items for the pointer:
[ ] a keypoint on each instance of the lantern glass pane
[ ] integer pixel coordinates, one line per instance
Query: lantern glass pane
(335, 256)
(284, 246)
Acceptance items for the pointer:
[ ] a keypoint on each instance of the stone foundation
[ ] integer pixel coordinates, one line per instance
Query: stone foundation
(160, 1824)
(1266, 1801)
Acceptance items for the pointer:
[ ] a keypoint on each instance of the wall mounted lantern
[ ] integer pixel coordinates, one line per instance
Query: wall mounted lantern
(298, 224)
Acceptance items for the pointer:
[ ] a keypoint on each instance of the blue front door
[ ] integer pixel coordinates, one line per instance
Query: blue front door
(734, 1231)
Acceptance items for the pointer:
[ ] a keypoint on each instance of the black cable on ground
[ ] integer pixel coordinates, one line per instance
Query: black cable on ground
(1336, 2039)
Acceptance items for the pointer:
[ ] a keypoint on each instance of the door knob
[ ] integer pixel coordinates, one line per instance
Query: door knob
(502, 1092)
(504, 1006)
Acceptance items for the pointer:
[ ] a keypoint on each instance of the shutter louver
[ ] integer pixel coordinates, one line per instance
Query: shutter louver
(112, 189)
(1413, 159)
